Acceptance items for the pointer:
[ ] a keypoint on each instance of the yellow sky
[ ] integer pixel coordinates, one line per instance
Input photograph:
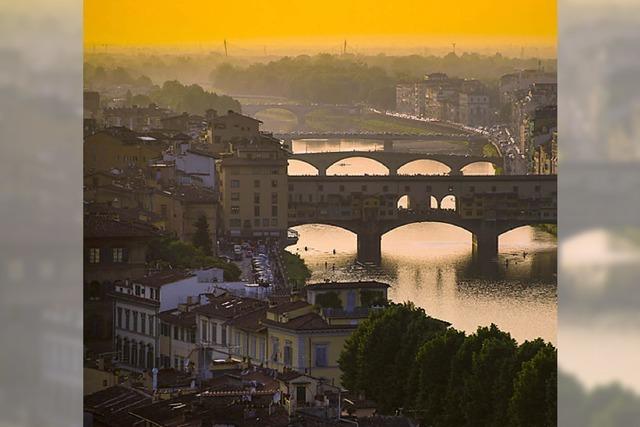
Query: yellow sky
(149, 22)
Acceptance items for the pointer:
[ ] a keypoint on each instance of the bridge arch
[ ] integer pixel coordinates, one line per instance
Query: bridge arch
(403, 202)
(449, 202)
(301, 167)
(412, 167)
(480, 167)
(279, 118)
(433, 202)
(373, 164)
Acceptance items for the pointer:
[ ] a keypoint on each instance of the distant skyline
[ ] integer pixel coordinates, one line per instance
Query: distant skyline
(472, 25)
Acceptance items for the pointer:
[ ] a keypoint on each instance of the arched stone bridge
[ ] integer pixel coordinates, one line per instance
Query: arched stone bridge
(392, 160)
(298, 110)
(486, 206)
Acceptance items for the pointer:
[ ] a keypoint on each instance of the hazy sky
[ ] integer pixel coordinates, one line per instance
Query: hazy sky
(148, 22)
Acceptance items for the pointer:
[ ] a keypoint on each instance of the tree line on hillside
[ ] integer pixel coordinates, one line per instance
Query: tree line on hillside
(407, 361)
(141, 91)
(351, 79)
(324, 78)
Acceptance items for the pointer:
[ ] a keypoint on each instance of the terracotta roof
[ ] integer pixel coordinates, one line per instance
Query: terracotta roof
(371, 284)
(229, 307)
(96, 227)
(186, 319)
(288, 306)
(306, 322)
(111, 406)
(163, 278)
(250, 321)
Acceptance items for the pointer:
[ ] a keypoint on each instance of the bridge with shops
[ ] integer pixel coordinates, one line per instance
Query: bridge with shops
(392, 160)
(486, 206)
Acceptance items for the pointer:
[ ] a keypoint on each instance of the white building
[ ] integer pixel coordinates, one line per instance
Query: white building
(193, 165)
(138, 303)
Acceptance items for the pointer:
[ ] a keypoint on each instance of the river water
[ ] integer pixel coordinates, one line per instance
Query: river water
(430, 263)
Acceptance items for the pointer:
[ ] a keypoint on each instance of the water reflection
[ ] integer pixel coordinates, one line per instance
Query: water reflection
(430, 264)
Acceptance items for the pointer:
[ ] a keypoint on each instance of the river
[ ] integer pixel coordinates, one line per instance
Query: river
(429, 263)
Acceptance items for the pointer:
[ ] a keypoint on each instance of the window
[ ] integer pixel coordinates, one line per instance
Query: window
(203, 331)
(182, 335)
(143, 323)
(118, 254)
(152, 293)
(235, 196)
(256, 183)
(135, 321)
(94, 255)
(288, 353)
(274, 222)
(214, 332)
(275, 349)
(235, 210)
(262, 349)
(265, 222)
(235, 222)
(274, 183)
(235, 183)
(152, 320)
(274, 210)
(126, 319)
(223, 337)
(252, 347)
(238, 343)
(321, 355)
(119, 318)
(176, 333)
(256, 222)
(274, 198)
(137, 290)
(256, 197)
(256, 211)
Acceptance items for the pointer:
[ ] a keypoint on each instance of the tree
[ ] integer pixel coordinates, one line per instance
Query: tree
(202, 237)
(533, 402)
(328, 300)
(176, 254)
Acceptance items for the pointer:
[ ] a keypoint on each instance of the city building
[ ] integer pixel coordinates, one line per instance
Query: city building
(121, 148)
(474, 108)
(512, 83)
(136, 118)
(218, 339)
(253, 189)
(410, 98)
(300, 339)
(114, 249)
(138, 303)
(222, 130)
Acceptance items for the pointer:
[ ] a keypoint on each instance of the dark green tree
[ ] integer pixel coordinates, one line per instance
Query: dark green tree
(202, 236)
(328, 300)
(533, 402)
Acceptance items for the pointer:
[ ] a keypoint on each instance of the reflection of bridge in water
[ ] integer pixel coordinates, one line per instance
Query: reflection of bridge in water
(486, 206)
(392, 160)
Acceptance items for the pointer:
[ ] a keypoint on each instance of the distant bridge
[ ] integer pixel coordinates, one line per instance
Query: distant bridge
(392, 160)
(300, 111)
(457, 136)
(486, 206)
